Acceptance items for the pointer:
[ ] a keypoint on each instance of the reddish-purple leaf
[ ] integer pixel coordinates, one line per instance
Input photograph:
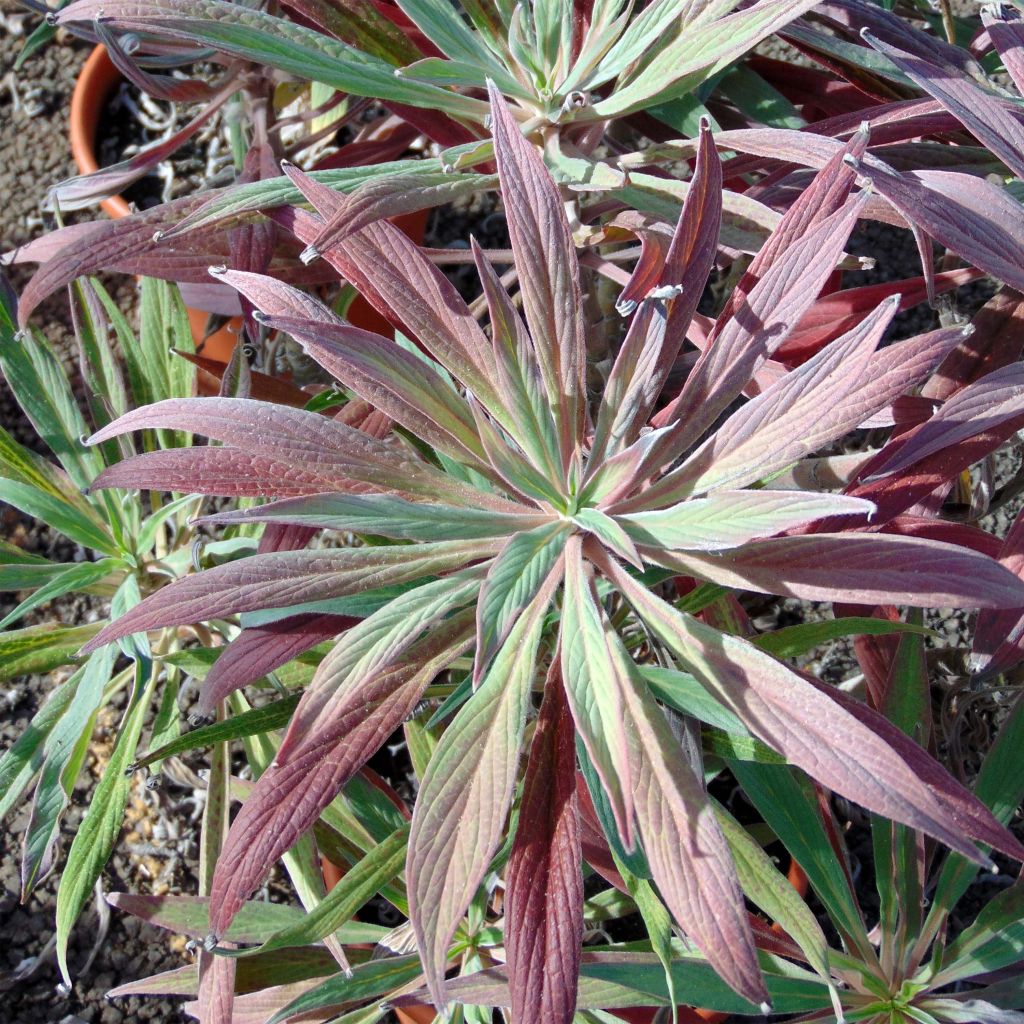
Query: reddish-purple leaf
(466, 792)
(993, 120)
(544, 877)
(984, 405)
(1006, 31)
(287, 578)
(545, 257)
(838, 741)
(659, 327)
(86, 189)
(760, 325)
(974, 218)
(288, 798)
(227, 472)
(309, 442)
(833, 315)
(396, 277)
(999, 635)
(865, 568)
(789, 420)
(258, 650)
(997, 340)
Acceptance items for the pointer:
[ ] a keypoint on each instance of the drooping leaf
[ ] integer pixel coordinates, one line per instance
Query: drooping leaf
(855, 743)
(458, 822)
(544, 880)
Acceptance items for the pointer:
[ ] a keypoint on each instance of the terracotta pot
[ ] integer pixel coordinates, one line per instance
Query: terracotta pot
(96, 81)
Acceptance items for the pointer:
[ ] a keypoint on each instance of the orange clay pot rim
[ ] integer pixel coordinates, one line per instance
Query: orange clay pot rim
(96, 81)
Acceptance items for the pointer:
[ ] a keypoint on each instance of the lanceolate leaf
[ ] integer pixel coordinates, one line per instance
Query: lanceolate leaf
(94, 841)
(466, 793)
(729, 519)
(387, 516)
(685, 847)
(595, 688)
(990, 118)
(974, 218)
(264, 39)
(982, 405)
(311, 443)
(289, 577)
(289, 797)
(658, 329)
(370, 646)
(544, 878)
(864, 568)
(851, 753)
(260, 649)
(548, 271)
(791, 419)
(513, 580)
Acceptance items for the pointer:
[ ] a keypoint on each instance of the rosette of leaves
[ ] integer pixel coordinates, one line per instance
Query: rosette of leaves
(513, 515)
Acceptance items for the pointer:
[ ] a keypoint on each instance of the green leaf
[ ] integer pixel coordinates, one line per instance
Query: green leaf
(512, 582)
(762, 882)
(786, 802)
(41, 648)
(265, 40)
(658, 923)
(38, 381)
(995, 939)
(1000, 785)
(360, 883)
(794, 641)
(248, 723)
(23, 759)
(76, 577)
(64, 751)
(96, 836)
(682, 691)
(256, 921)
(365, 982)
(58, 513)
(105, 387)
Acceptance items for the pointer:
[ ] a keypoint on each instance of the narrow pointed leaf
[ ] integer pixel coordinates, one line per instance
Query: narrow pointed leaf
(466, 793)
(544, 878)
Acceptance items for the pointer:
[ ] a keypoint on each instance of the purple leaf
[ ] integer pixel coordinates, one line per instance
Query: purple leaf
(995, 121)
(789, 420)
(984, 405)
(974, 218)
(545, 257)
(999, 634)
(1007, 34)
(659, 327)
(287, 799)
(258, 650)
(544, 877)
(863, 568)
(287, 578)
(307, 441)
(396, 278)
(841, 743)
(227, 472)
